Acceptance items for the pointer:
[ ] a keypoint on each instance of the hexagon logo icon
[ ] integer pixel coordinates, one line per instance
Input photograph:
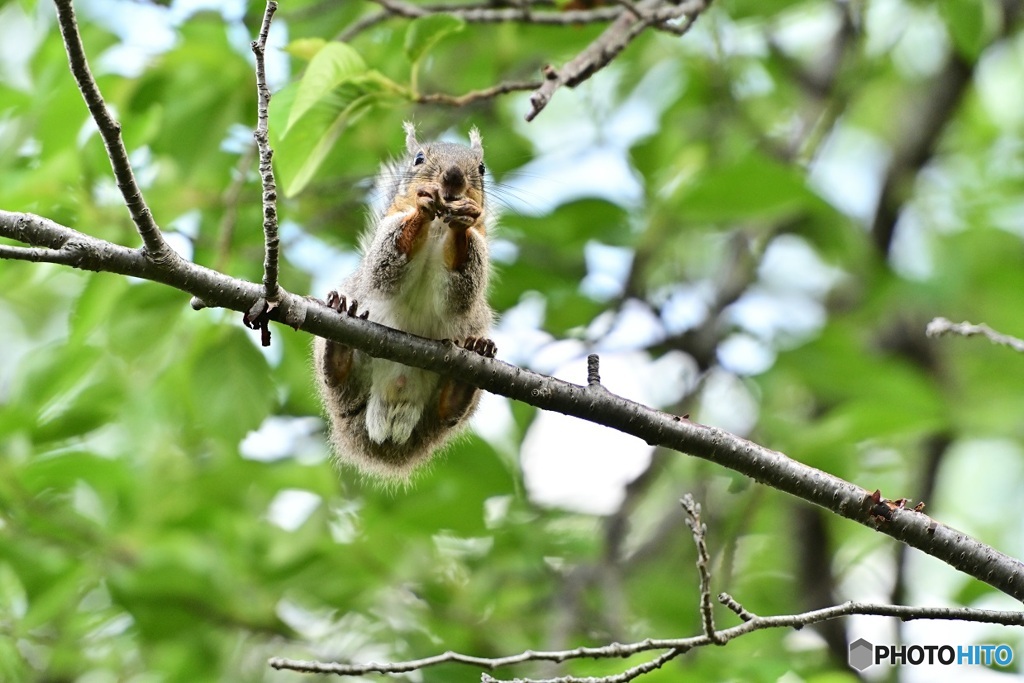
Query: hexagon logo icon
(861, 654)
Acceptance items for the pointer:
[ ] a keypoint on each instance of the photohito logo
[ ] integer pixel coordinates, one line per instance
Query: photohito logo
(863, 654)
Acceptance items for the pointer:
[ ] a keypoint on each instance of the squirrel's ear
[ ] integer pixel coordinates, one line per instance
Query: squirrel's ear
(410, 137)
(476, 143)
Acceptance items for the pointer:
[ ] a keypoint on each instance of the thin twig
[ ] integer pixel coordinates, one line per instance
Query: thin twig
(674, 645)
(477, 95)
(700, 530)
(361, 24)
(34, 254)
(593, 369)
(628, 25)
(623, 677)
(736, 607)
(631, 6)
(484, 15)
(271, 291)
(941, 326)
(110, 131)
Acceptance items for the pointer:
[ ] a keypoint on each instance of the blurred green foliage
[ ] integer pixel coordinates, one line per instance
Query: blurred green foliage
(139, 539)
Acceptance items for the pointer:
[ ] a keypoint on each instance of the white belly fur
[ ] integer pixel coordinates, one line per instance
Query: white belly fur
(399, 393)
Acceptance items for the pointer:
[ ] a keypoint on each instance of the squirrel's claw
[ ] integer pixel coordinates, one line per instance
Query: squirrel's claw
(342, 305)
(481, 345)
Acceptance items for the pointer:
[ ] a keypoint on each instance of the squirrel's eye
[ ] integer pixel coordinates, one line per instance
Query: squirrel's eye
(481, 169)
(420, 158)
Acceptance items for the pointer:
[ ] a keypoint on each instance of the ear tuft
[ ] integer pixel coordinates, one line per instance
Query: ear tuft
(410, 137)
(476, 143)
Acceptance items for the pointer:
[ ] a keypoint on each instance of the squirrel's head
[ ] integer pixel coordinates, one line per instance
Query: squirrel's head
(457, 168)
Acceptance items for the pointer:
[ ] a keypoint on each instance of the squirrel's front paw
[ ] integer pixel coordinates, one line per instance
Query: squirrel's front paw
(461, 213)
(485, 347)
(428, 200)
(341, 305)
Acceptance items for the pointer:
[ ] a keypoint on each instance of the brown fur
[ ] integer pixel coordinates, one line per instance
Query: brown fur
(424, 270)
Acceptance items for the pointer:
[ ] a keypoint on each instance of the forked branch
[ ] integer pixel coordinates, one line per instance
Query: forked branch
(669, 648)
(630, 23)
(627, 19)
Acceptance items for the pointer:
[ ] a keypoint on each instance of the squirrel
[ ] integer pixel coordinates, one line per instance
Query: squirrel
(424, 270)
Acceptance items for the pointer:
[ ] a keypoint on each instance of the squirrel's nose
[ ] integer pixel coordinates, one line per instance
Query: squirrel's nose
(454, 181)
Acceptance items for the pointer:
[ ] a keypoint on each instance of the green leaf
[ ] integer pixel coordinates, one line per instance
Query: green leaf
(55, 599)
(13, 597)
(147, 315)
(12, 665)
(305, 48)
(301, 150)
(334, 64)
(310, 143)
(53, 372)
(82, 412)
(60, 472)
(97, 306)
(426, 32)
(232, 386)
(971, 592)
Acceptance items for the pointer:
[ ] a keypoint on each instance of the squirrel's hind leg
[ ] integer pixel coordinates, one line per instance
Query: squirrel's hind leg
(457, 399)
(339, 385)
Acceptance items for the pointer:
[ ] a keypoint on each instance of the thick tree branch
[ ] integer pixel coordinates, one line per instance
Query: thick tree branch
(110, 131)
(673, 646)
(66, 246)
(593, 403)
